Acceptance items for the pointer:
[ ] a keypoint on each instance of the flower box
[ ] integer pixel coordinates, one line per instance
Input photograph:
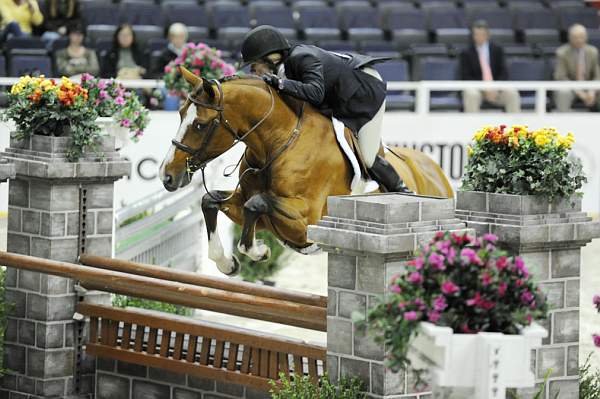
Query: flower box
(112, 128)
(479, 365)
(515, 204)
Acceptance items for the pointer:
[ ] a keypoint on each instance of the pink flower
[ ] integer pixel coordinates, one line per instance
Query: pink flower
(486, 279)
(419, 262)
(102, 84)
(465, 329)
(85, 77)
(125, 122)
(529, 318)
(527, 297)
(502, 288)
(476, 300)
(120, 101)
(103, 95)
(501, 263)
(519, 282)
(449, 288)
(396, 289)
(439, 304)
(439, 235)
(410, 316)
(437, 261)
(451, 255)
(596, 340)
(419, 302)
(490, 237)
(467, 254)
(401, 305)
(596, 301)
(433, 316)
(415, 278)
(168, 69)
(520, 265)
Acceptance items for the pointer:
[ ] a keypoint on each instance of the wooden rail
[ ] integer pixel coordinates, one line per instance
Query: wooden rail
(203, 281)
(198, 348)
(218, 300)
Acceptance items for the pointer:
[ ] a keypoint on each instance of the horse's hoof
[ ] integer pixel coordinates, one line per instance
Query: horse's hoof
(231, 268)
(266, 256)
(237, 267)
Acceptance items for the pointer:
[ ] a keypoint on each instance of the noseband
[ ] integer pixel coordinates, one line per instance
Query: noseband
(193, 162)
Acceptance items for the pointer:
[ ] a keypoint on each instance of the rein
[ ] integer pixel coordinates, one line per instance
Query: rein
(191, 163)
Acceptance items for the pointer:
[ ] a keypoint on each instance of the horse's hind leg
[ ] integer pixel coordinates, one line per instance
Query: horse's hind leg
(212, 203)
(254, 208)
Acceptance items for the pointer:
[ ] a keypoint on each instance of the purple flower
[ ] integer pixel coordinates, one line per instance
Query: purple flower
(85, 77)
(449, 288)
(410, 316)
(467, 254)
(102, 84)
(596, 300)
(396, 289)
(401, 305)
(419, 262)
(103, 95)
(120, 101)
(415, 278)
(125, 122)
(501, 263)
(490, 237)
(520, 265)
(596, 340)
(527, 297)
(439, 304)
(419, 302)
(451, 255)
(437, 261)
(502, 288)
(433, 316)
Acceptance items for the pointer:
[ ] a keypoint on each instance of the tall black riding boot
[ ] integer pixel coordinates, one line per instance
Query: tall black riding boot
(385, 174)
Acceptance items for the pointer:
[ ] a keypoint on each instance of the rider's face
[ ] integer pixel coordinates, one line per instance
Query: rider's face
(260, 68)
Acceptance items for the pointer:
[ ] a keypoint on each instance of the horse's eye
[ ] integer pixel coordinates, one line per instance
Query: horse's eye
(200, 126)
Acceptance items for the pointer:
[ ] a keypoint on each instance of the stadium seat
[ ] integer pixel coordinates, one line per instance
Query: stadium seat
(100, 13)
(499, 20)
(30, 65)
(97, 33)
(518, 50)
(586, 16)
(143, 33)
(337, 45)
(448, 24)
(156, 44)
(24, 42)
(360, 21)
(537, 26)
(230, 21)
(523, 68)
(140, 12)
(406, 26)
(440, 68)
(317, 21)
(190, 14)
(396, 71)
(2, 66)
(379, 48)
(274, 14)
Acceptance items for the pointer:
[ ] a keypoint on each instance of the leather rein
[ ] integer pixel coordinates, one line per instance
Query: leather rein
(191, 162)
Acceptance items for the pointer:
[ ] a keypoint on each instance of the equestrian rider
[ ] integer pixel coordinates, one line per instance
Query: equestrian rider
(340, 85)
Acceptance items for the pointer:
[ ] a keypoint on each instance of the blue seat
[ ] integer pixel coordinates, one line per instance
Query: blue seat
(274, 14)
(317, 21)
(189, 14)
(24, 42)
(439, 68)
(360, 21)
(337, 45)
(136, 12)
(396, 71)
(2, 66)
(538, 26)
(523, 68)
(406, 26)
(143, 33)
(229, 20)
(585, 16)
(379, 48)
(448, 24)
(500, 21)
(96, 33)
(30, 65)
(100, 13)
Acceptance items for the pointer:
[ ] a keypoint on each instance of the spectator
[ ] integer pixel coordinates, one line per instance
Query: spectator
(576, 60)
(484, 60)
(177, 36)
(26, 13)
(76, 58)
(125, 60)
(59, 14)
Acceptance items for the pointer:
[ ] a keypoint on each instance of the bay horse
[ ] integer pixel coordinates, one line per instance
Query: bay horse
(291, 164)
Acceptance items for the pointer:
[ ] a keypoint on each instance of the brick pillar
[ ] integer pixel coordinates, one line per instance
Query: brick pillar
(369, 239)
(549, 237)
(56, 209)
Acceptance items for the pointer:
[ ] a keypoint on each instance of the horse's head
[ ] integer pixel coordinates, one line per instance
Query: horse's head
(201, 136)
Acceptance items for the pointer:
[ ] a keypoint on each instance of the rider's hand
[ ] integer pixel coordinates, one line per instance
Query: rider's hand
(271, 80)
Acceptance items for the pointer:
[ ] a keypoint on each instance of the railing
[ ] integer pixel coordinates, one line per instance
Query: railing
(424, 88)
(185, 345)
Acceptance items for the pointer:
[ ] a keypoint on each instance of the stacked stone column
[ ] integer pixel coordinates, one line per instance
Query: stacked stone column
(57, 210)
(549, 236)
(369, 239)
(7, 170)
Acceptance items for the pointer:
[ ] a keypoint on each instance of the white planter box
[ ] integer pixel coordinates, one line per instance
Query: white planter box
(476, 366)
(110, 127)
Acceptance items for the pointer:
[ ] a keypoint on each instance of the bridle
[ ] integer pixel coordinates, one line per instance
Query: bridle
(191, 162)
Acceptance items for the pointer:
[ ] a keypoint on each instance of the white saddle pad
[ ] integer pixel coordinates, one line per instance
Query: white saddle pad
(358, 185)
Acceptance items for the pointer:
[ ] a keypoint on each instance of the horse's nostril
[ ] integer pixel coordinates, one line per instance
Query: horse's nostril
(168, 179)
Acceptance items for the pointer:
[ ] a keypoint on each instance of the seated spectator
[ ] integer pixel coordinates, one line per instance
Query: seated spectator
(484, 60)
(25, 13)
(125, 60)
(76, 58)
(177, 36)
(576, 60)
(58, 15)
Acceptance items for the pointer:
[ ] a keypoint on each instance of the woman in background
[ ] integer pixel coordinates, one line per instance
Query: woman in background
(58, 15)
(25, 13)
(125, 60)
(76, 58)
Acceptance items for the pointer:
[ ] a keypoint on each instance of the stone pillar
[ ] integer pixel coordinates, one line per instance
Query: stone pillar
(56, 210)
(368, 239)
(549, 237)
(7, 170)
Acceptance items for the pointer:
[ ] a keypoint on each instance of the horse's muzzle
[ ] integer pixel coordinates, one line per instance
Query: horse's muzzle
(169, 183)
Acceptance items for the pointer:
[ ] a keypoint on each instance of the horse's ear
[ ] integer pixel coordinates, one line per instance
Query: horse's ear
(190, 77)
(208, 88)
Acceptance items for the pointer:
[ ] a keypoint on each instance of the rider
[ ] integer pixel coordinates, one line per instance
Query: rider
(340, 85)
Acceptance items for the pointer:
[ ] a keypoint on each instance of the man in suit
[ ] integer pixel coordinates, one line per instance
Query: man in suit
(341, 85)
(576, 60)
(484, 60)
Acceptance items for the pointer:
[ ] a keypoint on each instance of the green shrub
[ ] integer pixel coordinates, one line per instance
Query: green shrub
(302, 388)
(589, 381)
(123, 301)
(251, 270)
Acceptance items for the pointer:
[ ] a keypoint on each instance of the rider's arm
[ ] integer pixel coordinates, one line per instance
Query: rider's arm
(311, 84)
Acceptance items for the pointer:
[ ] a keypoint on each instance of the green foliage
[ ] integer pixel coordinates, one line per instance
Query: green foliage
(134, 218)
(512, 393)
(251, 270)
(122, 301)
(297, 387)
(518, 161)
(589, 381)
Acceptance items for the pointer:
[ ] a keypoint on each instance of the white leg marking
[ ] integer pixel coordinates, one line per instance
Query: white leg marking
(258, 251)
(215, 253)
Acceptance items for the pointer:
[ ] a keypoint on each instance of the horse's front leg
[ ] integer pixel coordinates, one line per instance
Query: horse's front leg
(254, 208)
(212, 203)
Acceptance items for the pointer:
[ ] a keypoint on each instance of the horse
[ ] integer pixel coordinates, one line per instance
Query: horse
(291, 165)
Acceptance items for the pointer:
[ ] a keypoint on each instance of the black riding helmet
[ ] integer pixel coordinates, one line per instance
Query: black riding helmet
(262, 41)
